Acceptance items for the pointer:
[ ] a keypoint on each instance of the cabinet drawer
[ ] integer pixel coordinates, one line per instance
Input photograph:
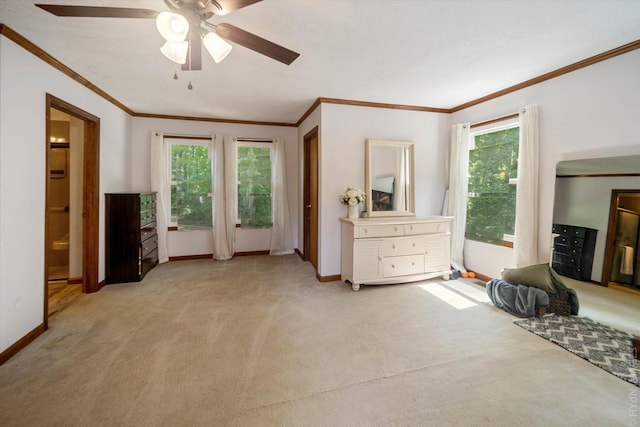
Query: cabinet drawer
(568, 250)
(146, 233)
(402, 246)
(403, 265)
(148, 246)
(427, 227)
(569, 241)
(374, 230)
(566, 259)
(147, 217)
(567, 270)
(569, 230)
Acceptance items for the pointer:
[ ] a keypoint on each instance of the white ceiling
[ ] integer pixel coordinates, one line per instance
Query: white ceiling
(434, 53)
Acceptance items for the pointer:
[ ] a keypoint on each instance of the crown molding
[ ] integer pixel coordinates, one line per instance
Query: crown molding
(39, 53)
(212, 119)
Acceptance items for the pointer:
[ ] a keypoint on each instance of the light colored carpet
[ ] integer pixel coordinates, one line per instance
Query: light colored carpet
(258, 341)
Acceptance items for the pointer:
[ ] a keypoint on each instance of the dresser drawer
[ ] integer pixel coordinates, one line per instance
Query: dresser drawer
(569, 230)
(402, 246)
(403, 265)
(568, 250)
(566, 259)
(146, 233)
(375, 230)
(148, 246)
(427, 227)
(569, 241)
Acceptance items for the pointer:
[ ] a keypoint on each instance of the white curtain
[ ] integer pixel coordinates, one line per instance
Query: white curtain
(458, 189)
(224, 178)
(160, 184)
(525, 243)
(281, 241)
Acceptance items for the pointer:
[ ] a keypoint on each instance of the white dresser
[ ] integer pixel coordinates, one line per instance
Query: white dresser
(378, 251)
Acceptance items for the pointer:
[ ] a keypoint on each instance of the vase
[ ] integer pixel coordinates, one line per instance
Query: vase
(352, 211)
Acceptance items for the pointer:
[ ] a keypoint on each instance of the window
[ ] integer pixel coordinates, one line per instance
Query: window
(254, 185)
(190, 185)
(493, 167)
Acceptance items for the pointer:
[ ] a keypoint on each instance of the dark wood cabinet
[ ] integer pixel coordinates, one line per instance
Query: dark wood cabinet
(573, 250)
(131, 238)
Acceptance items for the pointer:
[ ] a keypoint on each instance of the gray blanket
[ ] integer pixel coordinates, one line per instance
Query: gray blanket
(518, 300)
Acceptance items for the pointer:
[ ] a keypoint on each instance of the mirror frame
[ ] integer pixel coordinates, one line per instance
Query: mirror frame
(409, 146)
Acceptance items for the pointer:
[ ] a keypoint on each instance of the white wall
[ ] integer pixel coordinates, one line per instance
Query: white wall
(183, 243)
(24, 82)
(344, 131)
(588, 113)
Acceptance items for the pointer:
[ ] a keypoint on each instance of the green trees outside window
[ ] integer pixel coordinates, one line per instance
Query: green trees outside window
(190, 187)
(491, 204)
(254, 186)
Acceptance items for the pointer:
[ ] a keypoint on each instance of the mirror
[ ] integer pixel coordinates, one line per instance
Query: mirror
(598, 194)
(389, 181)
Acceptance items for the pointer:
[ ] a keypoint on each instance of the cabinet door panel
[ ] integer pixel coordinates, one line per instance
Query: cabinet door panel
(437, 250)
(366, 259)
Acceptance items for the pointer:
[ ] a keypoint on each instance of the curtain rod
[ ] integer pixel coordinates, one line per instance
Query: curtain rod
(497, 119)
(206, 138)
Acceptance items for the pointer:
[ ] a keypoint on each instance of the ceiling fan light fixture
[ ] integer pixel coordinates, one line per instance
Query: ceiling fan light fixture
(172, 27)
(176, 51)
(217, 47)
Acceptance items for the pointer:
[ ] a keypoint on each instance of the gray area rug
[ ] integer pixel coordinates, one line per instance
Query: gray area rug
(605, 347)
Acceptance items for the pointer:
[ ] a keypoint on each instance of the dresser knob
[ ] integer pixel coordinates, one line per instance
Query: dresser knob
(393, 266)
(395, 229)
(414, 245)
(413, 263)
(393, 246)
(365, 230)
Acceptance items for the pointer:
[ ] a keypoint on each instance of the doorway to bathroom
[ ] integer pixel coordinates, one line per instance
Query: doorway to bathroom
(71, 215)
(622, 254)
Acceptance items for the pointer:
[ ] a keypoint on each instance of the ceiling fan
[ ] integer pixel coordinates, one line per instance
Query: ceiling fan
(186, 29)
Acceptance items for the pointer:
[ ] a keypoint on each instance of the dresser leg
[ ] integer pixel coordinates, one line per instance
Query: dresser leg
(355, 287)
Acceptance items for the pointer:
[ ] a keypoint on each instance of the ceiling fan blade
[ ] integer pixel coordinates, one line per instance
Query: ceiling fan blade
(229, 6)
(256, 43)
(97, 11)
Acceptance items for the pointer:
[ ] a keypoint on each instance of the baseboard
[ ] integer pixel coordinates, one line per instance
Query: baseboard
(483, 277)
(331, 278)
(74, 280)
(210, 256)
(300, 254)
(249, 253)
(21, 343)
